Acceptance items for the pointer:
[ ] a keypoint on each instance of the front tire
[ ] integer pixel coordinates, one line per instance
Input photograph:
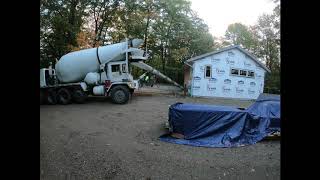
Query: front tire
(120, 94)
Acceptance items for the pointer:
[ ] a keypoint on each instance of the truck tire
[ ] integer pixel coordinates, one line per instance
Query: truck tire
(120, 94)
(52, 97)
(64, 96)
(79, 96)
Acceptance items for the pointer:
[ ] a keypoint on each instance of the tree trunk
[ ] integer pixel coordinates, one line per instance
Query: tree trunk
(162, 58)
(146, 32)
(267, 55)
(72, 18)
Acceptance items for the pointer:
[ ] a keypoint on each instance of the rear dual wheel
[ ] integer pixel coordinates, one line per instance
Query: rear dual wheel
(51, 97)
(64, 96)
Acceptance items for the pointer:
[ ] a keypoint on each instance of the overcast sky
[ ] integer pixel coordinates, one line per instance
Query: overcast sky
(218, 14)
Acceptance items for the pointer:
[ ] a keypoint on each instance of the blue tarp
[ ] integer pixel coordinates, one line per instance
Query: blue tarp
(267, 108)
(224, 126)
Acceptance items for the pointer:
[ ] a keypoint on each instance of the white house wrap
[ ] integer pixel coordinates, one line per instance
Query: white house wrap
(231, 72)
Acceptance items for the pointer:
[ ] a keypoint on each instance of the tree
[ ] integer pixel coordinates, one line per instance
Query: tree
(172, 32)
(60, 23)
(269, 47)
(263, 40)
(239, 34)
(102, 13)
(267, 31)
(180, 33)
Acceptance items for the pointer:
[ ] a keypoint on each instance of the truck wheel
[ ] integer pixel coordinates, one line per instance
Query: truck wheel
(52, 97)
(79, 96)
(120, 94)
(64, 96)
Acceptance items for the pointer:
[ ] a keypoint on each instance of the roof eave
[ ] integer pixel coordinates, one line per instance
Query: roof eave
(228, 48)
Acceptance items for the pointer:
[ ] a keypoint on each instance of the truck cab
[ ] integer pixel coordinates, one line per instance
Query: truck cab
(118, 71)
(47, 77)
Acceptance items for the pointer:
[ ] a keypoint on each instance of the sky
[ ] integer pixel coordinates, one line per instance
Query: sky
(218, 14)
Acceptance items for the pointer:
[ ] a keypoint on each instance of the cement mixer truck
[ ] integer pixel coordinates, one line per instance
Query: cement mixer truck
(101, 71)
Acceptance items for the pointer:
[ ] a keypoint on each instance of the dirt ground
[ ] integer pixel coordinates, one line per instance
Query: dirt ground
(101, 140)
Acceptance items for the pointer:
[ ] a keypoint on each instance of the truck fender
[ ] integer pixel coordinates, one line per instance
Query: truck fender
(119, 83)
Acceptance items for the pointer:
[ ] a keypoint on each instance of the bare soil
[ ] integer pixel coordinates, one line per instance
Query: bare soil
(101, 140)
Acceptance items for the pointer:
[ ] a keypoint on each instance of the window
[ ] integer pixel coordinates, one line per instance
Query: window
(115, 68)
(208, 72)
(235, 71)
(250, 74)
(123, 68)
(243, 73)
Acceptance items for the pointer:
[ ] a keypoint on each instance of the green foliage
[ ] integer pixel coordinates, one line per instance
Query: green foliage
(263, 40)
(267, 31)
(239, 34)
(172, 32)
(60, 22)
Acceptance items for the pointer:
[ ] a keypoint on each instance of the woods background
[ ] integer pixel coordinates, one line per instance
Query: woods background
(171, 30)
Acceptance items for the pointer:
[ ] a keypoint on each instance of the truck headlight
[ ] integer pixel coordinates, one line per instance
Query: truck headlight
(131, 85)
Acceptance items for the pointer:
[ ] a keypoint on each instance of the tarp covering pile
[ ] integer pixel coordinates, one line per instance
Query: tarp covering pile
(224, 126)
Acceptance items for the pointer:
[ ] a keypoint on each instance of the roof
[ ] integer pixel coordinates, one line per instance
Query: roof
(228, 48)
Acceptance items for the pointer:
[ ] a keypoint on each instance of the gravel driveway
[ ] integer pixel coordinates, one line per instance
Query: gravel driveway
(101, 140)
